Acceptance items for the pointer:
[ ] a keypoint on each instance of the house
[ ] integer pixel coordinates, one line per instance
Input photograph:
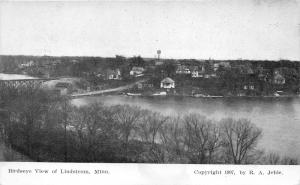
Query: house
(196, 73)
(59, 87)
(225, 64)
(144, 85)
(182, 69)
(210, 75)
(158, 62)
(249, 86)
(27, 64)
(113, 74)
(216, 66)
(246, 69)
(137, 71)
(167, 83)
(64, 88)
(278, 78)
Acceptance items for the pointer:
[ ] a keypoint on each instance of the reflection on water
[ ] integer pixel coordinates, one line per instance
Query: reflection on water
(4, 76)
(279, 118)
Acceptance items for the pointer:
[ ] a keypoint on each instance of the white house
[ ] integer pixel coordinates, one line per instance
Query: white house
(167, 83)
(137, 71)
(28, 64)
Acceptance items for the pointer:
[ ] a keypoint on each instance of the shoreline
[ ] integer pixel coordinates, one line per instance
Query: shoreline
(190, 96)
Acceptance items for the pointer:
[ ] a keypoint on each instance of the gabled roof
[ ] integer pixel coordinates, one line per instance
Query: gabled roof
(167, 80)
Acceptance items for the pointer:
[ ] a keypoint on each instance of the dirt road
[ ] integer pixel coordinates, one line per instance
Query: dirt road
(121, 88)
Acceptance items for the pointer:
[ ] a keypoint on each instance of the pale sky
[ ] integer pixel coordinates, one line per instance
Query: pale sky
(218, 29)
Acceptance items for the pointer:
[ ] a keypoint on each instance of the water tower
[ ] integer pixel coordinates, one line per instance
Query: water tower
(158, 53)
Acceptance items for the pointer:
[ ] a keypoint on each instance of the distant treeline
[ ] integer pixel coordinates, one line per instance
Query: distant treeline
(76, 65)
(48, 128)
(243, 78)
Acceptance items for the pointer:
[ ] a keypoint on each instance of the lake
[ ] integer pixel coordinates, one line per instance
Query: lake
(278, 118)
(4, 76)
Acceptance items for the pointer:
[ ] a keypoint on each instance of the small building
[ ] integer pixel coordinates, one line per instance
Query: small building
(158, 62)
(167, 83)
(216, 66)
(249, 86)
(137, 71)
(182, 69)
(144, 85)
(195, 74)
(113, 74)
(198, 73)
(278, 78)
(225, 64)
(64, 88)
(210, 75)
(245, 69)
(27, 64)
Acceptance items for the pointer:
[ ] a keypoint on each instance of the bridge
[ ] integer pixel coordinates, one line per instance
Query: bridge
(33, 82)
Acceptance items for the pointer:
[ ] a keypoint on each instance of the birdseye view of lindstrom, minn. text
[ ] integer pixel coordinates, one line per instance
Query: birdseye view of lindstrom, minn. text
(199, 82)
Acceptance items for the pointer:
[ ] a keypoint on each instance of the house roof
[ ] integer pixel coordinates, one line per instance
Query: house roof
(167, 80)
(137, 70)
(111, 71)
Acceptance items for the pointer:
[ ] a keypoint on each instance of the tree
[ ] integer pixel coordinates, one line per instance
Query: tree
(272, 159)
(26, 117)
(172, 140)
(275, 159)
(240, 138)
(137, 61)
(169, 69)
(127, 119)
(94, 133)
(201, 138)
(149, 128)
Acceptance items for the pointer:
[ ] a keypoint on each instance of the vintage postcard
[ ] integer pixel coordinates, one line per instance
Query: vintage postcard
(150, 92)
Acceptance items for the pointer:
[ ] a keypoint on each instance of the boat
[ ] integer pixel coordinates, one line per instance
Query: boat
(160, 94)
(133, 94)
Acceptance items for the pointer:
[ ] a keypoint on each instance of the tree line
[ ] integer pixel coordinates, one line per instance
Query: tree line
(48, 128)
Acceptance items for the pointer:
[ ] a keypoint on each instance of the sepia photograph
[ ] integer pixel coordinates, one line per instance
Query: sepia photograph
(155, 82)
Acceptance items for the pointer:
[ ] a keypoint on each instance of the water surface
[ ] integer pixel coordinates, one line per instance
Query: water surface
(278, 118)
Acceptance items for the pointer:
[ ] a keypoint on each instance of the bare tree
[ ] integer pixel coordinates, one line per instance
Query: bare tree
(172, 140)
(275, 159)
(271, 158)
(289, 161)
(201, 138)
(149, 128)
(240, 138)
(127, 119)
(86, 122)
